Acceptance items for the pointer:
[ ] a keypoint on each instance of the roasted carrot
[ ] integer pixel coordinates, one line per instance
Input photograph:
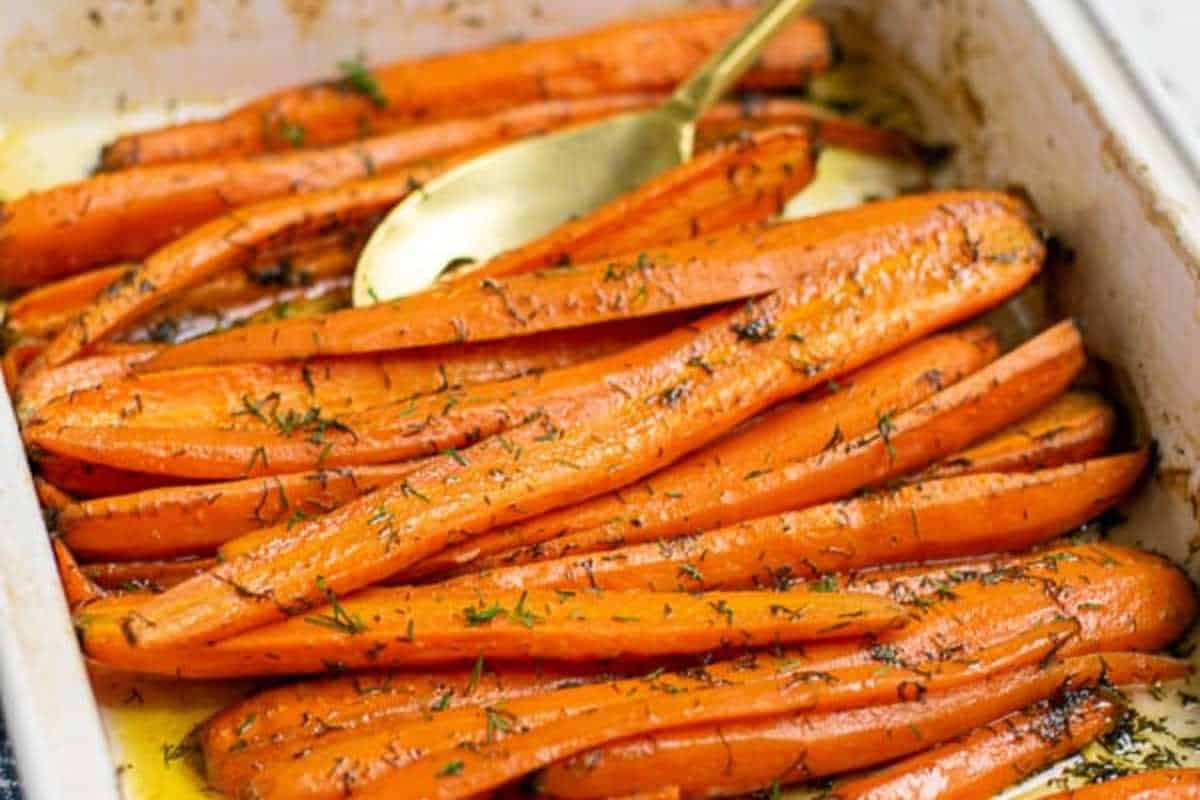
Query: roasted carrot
(738, 757)
(403, 431)
(991, 758)
(141, 576)
(895, 383)
(744, 478)
(194, 520)
(17, 358)
(785, 343)
(1160, 784)
(650, 55)
(282, 395)
(975, 607)
(384, 627)
(43, 311)
(1077, 426)
(52, 499)
(726, 266)
(548, 728)
(931, 520)
(86, 480)
(77, 587)
(33, 392)
(747, 180)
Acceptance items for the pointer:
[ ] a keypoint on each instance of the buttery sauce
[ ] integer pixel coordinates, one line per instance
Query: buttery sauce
(149, 721)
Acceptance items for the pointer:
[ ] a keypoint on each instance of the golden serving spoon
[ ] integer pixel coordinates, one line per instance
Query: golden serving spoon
(516, 193)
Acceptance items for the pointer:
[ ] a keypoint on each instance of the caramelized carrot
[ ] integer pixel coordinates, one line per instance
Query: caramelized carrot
(384, 627)
(35, 391)
(726, 266)
(1074, 427)
(43, 311)
(739, 757)
(550, 727)
(194, 520)
(650, 55)
(140, 576)
(991, 758)
(756, 355)
(972, 607)
(284, 397)
(895, 382)
(51, 498)
(392, 433)
(77, 588)
(1160, 784)
(745, 181)
(931, 520)
(17, 358)
(717, 488)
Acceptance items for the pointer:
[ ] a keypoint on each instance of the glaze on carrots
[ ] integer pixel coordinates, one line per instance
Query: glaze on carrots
(1159, 784)
(722, 487)
(928, 521)
(772, 348)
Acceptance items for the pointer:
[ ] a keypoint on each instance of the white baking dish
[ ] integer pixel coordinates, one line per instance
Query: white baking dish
(1026, 88)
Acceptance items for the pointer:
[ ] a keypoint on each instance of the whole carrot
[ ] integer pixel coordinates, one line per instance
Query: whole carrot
(1159, 784)
(931, 520)
(77, 587)
(989, 759)
(383, 627)
(785, 343)
(738, 757)
(711, 489)
(650, 55)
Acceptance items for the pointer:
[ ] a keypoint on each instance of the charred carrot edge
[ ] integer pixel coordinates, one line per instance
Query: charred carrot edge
(740, 757)
(931, 520)
(702, 493)
(77, 587)
(392, 627)
(995, 756)
(144, 576)
(756, 355)
(384, 435)
(742, 182)
(1077, 426)
(1159, 784)
(551, 727)
(975, 605)
(651, 55)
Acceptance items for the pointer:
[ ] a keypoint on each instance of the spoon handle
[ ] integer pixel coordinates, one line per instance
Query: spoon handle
(724, 67)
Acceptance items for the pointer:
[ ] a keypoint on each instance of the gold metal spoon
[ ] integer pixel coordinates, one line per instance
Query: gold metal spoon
(519, 192)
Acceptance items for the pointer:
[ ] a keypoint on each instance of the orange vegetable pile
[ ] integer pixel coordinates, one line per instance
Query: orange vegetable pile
(678, 501)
